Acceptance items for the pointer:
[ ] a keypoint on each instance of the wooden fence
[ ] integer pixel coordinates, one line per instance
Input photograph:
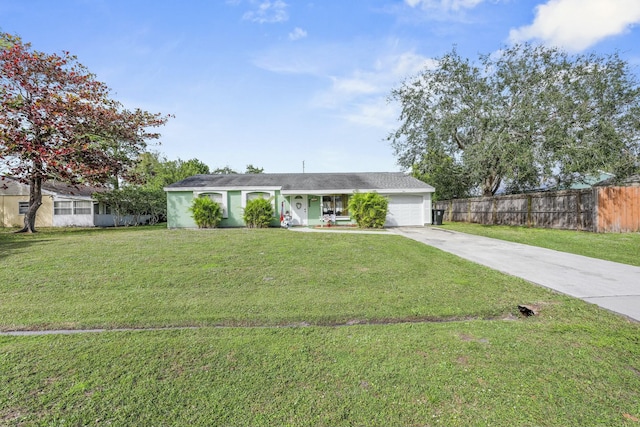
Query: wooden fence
(600, 209)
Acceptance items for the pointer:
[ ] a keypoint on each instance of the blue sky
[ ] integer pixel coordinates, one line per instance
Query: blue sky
(274, 83)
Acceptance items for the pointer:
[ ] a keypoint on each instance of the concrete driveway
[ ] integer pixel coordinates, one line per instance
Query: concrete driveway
(610, 285)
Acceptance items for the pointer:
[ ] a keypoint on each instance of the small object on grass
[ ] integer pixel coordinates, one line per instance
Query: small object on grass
(528, 310)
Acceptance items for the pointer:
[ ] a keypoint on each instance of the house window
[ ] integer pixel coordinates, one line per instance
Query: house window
(219, 198)
(257, 195)
(63, 208)
(82, 208)
(23, 207)
(335, 204)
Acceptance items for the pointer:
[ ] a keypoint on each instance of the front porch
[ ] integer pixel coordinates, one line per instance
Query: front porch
(318, 210)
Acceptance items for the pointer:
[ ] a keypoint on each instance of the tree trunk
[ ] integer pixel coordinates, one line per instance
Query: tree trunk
(491, 184)
(35, 200)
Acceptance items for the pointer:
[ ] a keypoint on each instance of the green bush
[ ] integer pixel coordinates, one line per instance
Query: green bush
(368, 209)
(258, 213)
(205, 212)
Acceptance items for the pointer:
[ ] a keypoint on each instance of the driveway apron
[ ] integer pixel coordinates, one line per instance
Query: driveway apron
(610, 285)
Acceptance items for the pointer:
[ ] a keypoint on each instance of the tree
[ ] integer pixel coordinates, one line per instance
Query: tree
(254, 169)
(152, 173)
(446, 174)
(368, 209)
(522, 116)
(129, 203)
(224, 171)
(58, 122)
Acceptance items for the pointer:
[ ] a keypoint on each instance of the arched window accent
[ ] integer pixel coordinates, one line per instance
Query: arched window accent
(220, 197)
(264, 194)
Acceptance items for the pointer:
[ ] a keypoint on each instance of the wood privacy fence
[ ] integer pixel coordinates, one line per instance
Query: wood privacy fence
(598, 209)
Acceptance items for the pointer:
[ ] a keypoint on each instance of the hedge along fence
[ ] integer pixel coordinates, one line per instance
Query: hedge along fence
(600, 209)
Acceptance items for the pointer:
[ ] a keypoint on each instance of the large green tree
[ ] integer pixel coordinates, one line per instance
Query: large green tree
(57, 122)
(446, 174)
(154, 171)
(143, 193)
(522, 117)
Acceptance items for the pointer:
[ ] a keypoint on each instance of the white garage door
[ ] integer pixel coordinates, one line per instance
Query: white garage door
(405, 210)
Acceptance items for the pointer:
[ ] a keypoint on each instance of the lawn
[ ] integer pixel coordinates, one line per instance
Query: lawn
(296, 329)
(617, 247)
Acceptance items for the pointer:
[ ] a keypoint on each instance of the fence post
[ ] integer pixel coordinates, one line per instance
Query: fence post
(595, 214)
(578, 210)
(494, 213)
(529, 207)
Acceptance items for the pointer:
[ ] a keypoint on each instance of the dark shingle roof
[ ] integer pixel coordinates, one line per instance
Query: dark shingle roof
(64, 189)
(60, 188)
(308, 181)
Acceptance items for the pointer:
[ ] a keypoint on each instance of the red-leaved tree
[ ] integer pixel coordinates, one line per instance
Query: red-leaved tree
(57, 122)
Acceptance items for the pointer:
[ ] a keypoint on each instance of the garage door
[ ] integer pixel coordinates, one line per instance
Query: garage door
(405, 210)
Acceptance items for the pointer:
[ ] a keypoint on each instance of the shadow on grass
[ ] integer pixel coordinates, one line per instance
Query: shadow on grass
(13, 246)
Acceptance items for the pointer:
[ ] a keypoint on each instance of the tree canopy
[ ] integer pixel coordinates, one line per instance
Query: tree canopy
(520, 118)
(154, 171)
(142, 192)
(57, 122)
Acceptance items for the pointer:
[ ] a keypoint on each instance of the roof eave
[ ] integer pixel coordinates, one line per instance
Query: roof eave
(360, 190)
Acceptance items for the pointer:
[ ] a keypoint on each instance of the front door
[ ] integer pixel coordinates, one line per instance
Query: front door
(299, 214)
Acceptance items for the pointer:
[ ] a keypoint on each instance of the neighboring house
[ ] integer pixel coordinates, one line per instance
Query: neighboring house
(63, 205)
(311, 198)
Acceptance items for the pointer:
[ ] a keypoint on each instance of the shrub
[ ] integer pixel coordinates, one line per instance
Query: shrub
(205, 212)
(258, 213)
(368, 209)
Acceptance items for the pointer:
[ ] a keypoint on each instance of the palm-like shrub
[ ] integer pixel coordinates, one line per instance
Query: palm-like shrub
(368, 209)
(258, 213)
(205, 212)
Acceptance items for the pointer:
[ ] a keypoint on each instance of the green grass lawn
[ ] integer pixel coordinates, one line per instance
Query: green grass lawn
(617, 247)
(398, 334)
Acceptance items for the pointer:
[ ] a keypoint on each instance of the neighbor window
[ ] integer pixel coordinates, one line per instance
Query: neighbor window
(335, 204)
(82, 208)
(101, 209)
(63, 208)
(23, 207)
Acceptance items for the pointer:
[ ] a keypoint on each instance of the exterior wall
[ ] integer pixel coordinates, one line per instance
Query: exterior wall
(179, 216)
(108, 220)
(178, 204)
(428, 206)
(73, 220)
(315, 210)
(9, 216)
(235, 210)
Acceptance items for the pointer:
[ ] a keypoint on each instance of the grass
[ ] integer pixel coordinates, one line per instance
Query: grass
(157, 278)
(473, 363)
(617, 247)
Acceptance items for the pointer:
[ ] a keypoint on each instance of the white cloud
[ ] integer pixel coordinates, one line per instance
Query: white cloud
(268, 12)
(446, 5)
(297, 34)
(354, 80)
(578, 24)
(361, 96)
